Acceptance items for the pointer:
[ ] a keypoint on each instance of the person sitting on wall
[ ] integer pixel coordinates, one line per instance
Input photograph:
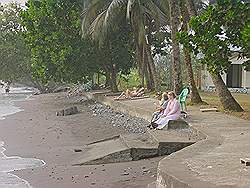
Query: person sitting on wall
(7, 87)
(172, 112)
(128, 94)
(163, 102)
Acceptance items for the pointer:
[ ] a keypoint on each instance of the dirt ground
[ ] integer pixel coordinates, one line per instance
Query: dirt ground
(37, 132)
(243, 99)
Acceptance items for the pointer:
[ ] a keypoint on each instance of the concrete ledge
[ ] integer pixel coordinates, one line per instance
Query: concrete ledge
(173, 170)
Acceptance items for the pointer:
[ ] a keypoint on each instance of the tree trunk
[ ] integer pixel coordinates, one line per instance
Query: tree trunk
(141, 68)
(148, 75)
(108, 79)
(192, 11)
(93, 80)
(195, 97)
(227, 100)
(98, 79)
(175, 47)
(114, 87)
(155, 77)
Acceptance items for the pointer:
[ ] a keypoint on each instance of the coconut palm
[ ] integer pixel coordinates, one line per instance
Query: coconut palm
(99, 16)
(184, 4)
(175, 11)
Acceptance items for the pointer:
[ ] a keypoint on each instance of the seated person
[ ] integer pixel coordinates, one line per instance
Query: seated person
(7, 88)
(172, 112)
(136, 92)
(160, 107)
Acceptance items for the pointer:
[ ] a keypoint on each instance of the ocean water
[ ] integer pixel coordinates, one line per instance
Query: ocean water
(9, 164)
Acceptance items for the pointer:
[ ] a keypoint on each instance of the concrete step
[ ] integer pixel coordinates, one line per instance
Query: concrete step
(118, 149)
(107, 151)
(139, 140)
(132, 147)
(172, 141)
(142, 146)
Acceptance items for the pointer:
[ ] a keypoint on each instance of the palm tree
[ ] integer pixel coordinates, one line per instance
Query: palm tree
(174, 22)
(171, 10)
(195, 97)
(99, 17)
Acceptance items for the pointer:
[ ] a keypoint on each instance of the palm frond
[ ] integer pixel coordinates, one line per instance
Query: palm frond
(112, 11)
(96, 28)
(129, 7)
(89, 14)
(156, 13)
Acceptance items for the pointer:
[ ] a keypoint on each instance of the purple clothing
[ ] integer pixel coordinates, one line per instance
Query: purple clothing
(172, 112)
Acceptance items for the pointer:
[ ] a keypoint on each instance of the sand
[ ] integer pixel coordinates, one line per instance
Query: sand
(37, 132)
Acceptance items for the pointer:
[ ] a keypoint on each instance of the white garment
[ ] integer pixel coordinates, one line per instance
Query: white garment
(172, 112)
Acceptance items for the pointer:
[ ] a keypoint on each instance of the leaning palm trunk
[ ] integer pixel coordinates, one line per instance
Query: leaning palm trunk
(139, 59)
(195, 97)
(175, 47)
(155, 77)
(227, 100)
(192, 11)
(148, 75)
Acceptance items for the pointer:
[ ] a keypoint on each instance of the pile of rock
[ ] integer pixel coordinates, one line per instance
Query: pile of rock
(118, 119)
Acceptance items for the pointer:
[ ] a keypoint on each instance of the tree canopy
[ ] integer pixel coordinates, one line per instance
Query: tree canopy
(14, 61)
(58, 52)
(218, 33)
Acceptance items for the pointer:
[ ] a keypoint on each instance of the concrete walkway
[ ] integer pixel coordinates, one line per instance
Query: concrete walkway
(212, 162)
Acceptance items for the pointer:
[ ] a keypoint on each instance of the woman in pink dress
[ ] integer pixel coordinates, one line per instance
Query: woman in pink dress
(172, 112)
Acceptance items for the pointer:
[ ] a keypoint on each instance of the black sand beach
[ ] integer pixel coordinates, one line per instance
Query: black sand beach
(37, 132)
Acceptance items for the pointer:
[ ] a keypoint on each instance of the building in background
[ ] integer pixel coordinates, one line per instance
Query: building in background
(237, 78)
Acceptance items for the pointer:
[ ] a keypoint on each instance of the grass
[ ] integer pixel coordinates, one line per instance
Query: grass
(243, 99)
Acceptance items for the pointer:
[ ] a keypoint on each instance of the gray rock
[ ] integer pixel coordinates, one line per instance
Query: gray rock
(67, 111)
(61, 89)
(125, 173)
(127, 122)
(177, 124)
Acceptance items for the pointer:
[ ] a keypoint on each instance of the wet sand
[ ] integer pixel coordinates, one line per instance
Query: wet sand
(37, 132)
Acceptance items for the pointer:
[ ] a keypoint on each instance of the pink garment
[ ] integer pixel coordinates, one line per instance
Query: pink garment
(172, 112)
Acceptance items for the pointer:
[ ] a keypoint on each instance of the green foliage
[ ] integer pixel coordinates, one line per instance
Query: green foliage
(52, 34)
(129, 80)
(14, 56)
(58, 51)
(220, 28)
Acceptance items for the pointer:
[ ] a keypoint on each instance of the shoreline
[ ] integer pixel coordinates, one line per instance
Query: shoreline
(53, 139)
(12, 163)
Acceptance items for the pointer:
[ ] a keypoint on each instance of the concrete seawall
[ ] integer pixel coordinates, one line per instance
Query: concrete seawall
(225, 140)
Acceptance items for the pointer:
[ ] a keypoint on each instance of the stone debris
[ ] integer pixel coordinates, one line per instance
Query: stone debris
(118, 119)
(68, 111)
(77, 150)
(125, 173)
(245, 161)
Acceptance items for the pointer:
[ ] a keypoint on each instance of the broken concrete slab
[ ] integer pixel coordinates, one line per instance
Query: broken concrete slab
(108, 151)
(130, 147)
